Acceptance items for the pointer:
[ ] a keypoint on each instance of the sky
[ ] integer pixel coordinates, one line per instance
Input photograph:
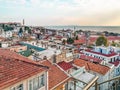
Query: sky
(61, 12)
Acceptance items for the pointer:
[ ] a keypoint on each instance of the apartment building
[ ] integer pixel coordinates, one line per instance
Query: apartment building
(20, 73)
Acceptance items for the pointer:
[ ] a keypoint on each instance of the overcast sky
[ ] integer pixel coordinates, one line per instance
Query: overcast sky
(61, 12)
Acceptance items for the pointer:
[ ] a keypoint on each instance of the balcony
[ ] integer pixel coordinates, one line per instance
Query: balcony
(112, 84)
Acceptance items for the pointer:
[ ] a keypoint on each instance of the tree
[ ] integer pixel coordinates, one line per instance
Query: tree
(63, 42)
(26, 28)
(21, 30)
(7, 28)
(70, 41)
(113, 43)
(101, 41)
(76, 37)
(0, 45)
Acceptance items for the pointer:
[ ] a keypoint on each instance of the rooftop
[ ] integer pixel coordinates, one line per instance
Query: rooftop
(107, 55)
(101, 69)
(116, 63)
(92, 39)
(90, 58)
(56, 76)
(14, 68)
(65, 66)
(82, 77)
(26, 53)
(37, 48)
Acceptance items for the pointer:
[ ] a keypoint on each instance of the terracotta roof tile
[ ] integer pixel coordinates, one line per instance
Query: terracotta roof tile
(90, 58)
(107, 55)
(56, 75)
(14, 68)
(91, 66)
(92, 39)
(65, 66)
(116, 63)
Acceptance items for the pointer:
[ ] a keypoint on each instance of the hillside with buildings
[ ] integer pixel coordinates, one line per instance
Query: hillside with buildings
(38, 58)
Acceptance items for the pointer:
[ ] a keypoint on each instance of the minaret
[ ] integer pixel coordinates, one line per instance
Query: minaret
(23, 22)
(23, 25)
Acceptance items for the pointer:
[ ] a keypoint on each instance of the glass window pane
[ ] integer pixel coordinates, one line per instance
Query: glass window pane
(13, 88)
(41, 80)
(20, 87)
(30, 85)
(35, 83)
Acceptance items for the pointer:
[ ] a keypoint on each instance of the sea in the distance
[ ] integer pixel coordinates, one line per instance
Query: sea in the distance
(114, 29)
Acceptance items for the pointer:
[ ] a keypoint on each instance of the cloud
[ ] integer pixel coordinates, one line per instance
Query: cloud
(85, 12)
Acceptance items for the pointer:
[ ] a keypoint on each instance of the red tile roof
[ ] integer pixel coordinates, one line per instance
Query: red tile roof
(113, 38)
(56, 76)
(91, 66)
(107, 55)
(80, 41)
(93, 39)
(90, 58)
(116, 63)
(65, 66)
(58, 37)
(15, 68)
(2, 38)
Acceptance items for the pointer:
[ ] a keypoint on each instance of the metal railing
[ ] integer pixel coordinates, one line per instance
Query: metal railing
(112, 84)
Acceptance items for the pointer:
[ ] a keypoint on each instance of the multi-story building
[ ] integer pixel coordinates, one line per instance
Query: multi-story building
(107, 55)
(103, 72)
(57, 78)
(103, 53)
(19, 73)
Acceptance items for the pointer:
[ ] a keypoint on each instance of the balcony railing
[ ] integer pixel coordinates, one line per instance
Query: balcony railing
(112, 84)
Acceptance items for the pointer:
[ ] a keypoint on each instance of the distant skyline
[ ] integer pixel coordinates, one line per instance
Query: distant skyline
(61, 12)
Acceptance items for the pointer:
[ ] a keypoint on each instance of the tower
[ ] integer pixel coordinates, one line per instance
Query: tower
(23, 22)
(87, 35)
(23, 25)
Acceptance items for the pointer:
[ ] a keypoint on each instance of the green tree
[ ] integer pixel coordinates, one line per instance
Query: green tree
(113, 43)
(0, 45)
(20, 30)
(70, 41)
(7, 28)
(63, 42)
(101, 41)
(26, 28)
(76, 37)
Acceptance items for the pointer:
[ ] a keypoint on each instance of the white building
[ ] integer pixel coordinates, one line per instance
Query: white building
(103, 53)
(7, 34)
(103, 72)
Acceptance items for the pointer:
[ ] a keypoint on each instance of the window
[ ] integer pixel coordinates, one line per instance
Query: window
(19, 87)
(41, 80)
(30, 85)
(36, 83)
(66, 86)
(13, 88)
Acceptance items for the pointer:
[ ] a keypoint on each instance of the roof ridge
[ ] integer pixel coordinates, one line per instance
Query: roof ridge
(24, 59)
(35, 64)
